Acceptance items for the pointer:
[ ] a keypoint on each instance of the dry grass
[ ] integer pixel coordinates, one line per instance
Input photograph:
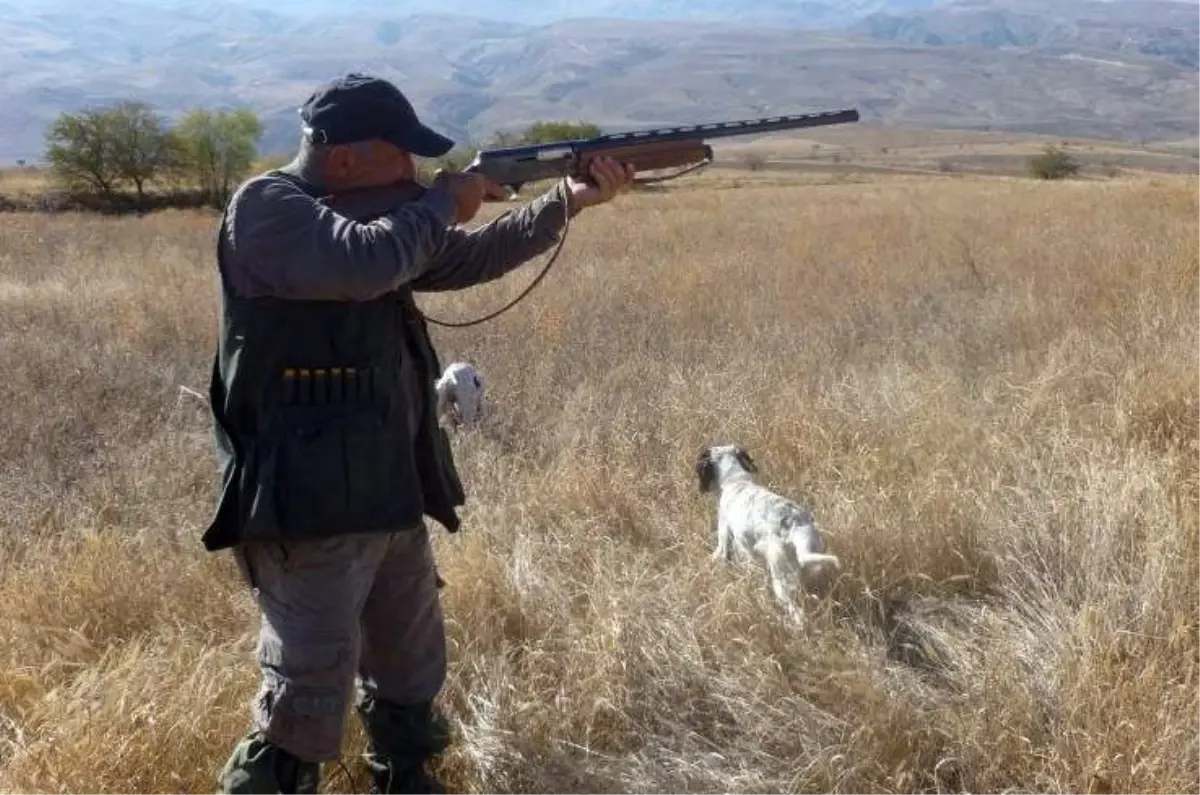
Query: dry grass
(23, 181)
(880, 149)
(986, 389)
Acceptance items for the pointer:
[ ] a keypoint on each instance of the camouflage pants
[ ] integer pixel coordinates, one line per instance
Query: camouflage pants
(351, 610)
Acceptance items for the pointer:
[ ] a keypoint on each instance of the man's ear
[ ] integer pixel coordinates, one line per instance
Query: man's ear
(409, 172)
(338, 163)
(743, 457)
(706, 472)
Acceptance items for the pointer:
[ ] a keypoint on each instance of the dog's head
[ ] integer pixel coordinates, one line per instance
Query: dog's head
(714, 463)
(460, 394)
(468, 397)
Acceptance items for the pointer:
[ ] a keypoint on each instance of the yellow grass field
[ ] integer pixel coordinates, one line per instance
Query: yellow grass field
(23, 181)
(986, 389)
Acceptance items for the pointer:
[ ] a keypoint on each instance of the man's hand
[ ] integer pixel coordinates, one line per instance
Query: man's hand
(608, 178)
(468, 190)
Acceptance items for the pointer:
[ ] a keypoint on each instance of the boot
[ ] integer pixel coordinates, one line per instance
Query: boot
(400, 740)
(259, 766)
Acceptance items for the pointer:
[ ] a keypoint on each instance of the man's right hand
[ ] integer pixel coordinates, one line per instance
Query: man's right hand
(468, 190)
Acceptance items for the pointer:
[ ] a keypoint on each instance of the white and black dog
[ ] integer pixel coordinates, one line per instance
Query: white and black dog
(761, 524)
(459, 395)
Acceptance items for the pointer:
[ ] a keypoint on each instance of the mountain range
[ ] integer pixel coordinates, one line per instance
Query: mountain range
(809, 14)
(1124, 69)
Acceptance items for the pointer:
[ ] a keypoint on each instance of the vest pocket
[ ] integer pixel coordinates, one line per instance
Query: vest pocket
(338, 475)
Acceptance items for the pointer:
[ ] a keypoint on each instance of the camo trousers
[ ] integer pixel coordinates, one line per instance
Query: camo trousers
(350, 610)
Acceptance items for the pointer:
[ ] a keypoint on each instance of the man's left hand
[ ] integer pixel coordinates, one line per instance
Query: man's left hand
(608, 178)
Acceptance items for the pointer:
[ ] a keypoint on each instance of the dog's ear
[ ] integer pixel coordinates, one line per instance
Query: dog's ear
(706, 471)
(743, 457)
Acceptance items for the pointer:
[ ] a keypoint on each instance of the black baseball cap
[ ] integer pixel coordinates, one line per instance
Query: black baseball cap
(356, 107)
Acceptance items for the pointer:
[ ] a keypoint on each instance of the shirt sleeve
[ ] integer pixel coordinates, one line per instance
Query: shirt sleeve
(482, 255)
(283, 243)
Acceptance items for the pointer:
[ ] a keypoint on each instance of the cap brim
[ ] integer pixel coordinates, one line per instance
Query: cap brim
(422, 142)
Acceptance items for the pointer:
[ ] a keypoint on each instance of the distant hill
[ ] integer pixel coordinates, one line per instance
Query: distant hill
(1154, 28)
(806, 14)
(1120, 69)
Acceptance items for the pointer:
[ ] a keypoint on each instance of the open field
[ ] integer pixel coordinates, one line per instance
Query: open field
(877, 148)
(848, 152)
(986, 388)
(24, 181)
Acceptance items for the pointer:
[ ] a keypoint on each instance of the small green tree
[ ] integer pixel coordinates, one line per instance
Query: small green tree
(754, 161)
(218, 148)
(457, 158)
(99, 150)
(501, 139)
(81, 152)
(544, 132)
(537, 133)
(1052, 163)
(269, 162)
(454, 160)
(142, 146)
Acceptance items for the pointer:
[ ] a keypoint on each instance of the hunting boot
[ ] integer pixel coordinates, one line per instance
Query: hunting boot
(400, 740)
(259, 766)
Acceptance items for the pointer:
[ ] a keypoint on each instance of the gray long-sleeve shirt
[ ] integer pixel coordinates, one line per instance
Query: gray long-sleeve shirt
(282, 242)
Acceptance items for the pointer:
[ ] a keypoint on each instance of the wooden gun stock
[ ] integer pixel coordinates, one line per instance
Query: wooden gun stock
(651, 156)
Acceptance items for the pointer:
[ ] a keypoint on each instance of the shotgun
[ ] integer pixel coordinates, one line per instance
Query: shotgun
(645, 150)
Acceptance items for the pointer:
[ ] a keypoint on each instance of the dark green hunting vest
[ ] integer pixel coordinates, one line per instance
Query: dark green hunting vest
(311, 420)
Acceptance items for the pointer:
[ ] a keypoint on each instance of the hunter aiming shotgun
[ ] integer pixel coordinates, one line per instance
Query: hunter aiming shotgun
(646, 150)
(682, 148)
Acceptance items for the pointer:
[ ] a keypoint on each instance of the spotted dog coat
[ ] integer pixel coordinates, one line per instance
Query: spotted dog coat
(761, 524)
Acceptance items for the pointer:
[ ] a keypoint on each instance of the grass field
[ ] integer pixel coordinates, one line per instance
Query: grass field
(848, 151)
(24, 181)
(887, 149)
(986, 389)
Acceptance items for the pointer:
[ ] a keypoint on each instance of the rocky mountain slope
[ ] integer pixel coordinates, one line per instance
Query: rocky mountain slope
(1076, 67)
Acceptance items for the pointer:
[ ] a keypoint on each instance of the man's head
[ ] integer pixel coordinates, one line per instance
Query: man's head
(362, 132)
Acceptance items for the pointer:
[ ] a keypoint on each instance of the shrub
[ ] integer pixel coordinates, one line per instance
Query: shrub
(1052, 163)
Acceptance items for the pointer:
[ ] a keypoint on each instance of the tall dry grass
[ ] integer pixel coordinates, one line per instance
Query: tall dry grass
(987, 391)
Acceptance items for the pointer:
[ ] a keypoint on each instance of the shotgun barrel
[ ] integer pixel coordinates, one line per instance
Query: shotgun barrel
(645, 150)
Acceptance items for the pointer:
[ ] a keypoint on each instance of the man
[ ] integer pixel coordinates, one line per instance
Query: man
(323, 409)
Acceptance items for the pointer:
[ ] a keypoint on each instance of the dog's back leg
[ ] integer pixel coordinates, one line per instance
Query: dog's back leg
(779, 571)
